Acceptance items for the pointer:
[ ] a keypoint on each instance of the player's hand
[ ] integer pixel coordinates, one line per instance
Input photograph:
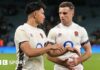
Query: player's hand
(68, 65)
(75, 61)
(68, 48)
(57, 47)
(56, 50)
(76, 51)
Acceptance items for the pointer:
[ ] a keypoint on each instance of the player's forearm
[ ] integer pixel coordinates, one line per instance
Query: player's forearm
(55, 53)
(56, 60)
(86, 56)
(88, 52)
(33, 52)
(37, 51)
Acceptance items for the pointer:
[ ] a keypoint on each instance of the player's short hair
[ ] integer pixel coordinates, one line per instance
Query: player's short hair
(67, 4)
(33, 6)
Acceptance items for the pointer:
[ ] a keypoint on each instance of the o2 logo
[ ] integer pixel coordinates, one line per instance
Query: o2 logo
(68, 43)
(39, 45)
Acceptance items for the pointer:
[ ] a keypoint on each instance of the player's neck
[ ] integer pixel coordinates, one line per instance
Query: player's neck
(32, 22)
(67, 24)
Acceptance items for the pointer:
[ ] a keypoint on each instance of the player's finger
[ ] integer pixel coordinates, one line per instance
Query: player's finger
(76, 51)
(60, 47)
(70, 68)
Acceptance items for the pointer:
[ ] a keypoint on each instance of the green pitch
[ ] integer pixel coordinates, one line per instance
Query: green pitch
(7, 62)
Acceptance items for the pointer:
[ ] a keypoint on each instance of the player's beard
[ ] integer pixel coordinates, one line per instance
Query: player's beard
(39, 22)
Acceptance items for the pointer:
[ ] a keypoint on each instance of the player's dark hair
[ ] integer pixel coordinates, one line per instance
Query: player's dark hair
(67, 4)
(33, 6)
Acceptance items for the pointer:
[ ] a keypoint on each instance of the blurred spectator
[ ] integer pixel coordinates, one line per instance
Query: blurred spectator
(10, 10)
(10, 43)
(96, 34)
(48, 27)
(1, 42)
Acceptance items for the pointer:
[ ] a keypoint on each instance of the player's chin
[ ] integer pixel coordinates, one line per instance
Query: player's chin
(41, 23)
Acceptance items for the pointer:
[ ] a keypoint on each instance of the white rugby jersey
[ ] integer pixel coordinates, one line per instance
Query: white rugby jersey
(36, 38)
(73, 35)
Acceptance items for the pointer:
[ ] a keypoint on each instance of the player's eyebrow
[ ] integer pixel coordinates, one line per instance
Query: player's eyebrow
(64, 13)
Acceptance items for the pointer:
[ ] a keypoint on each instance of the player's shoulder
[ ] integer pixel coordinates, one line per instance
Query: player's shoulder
(20, 28)
(41, 30)
(56, 27)
(77, 26)
(24, 28)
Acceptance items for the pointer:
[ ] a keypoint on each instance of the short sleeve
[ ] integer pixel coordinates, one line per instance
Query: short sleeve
(20, 36)
(52, 35)
(84, 36)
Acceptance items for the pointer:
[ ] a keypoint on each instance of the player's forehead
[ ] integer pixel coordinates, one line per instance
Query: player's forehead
(64, 9)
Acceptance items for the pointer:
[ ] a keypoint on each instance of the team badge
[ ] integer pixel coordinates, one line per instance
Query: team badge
(76, 33)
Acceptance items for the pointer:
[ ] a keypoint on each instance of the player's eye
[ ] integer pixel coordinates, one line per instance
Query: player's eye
(64, 13)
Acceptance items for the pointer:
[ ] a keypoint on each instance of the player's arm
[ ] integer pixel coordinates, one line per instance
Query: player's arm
(84, 57)
(87, 47)
(55, 53)
(88, 52)
(56, 60)
(33, 52)
(60, 62)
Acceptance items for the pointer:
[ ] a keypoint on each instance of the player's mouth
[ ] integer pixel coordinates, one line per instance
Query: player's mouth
(62, 20)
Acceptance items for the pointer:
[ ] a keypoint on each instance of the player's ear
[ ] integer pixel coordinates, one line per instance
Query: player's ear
(34, 14)
(73, 13)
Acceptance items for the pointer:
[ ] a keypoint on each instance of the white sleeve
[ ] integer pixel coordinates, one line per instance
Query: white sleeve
(52, 35)
(84, 36)
(20, 36)
(44, 35)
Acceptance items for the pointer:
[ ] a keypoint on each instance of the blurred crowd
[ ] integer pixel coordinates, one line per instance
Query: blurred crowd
(10, 10)
(96, 35)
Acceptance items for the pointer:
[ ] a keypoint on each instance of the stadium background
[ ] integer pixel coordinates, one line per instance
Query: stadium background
(87, 14)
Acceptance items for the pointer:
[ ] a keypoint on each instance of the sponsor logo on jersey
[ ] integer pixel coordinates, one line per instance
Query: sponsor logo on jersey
(39, 45)
(69, 43)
